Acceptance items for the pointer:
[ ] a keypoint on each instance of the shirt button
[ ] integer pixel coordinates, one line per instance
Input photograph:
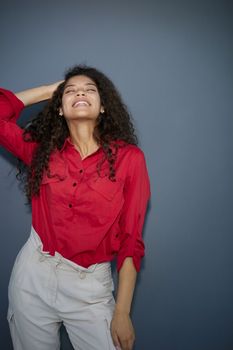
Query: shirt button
(81, 170)
(70, 205)
(74, 184)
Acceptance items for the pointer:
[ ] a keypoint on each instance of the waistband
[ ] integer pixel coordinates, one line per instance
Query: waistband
(57, 259)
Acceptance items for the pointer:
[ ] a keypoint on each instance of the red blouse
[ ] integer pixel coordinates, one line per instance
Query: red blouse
(86, 218)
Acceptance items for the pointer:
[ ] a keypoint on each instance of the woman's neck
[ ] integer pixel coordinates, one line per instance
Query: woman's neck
(81, 135)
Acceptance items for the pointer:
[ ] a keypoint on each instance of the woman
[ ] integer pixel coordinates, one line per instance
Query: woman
(88, 185)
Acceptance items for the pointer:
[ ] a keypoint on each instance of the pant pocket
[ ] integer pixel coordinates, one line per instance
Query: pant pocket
(102, 283)
(13, 332)
(10, 315)
(103, 276)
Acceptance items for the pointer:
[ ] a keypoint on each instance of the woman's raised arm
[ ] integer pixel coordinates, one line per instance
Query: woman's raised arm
(37, 94)
(11, 105)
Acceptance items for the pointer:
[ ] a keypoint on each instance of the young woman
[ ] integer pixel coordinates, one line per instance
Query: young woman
(88, 185)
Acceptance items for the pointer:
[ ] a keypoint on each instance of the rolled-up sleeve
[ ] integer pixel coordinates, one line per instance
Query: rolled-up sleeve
(11, 135)
(10, 105)
(137, 194)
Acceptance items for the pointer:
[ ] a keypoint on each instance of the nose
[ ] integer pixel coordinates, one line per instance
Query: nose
(81, 93)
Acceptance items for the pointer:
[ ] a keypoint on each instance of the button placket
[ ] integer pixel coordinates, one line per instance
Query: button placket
(81, 175)
(75, 182)
(73, 196)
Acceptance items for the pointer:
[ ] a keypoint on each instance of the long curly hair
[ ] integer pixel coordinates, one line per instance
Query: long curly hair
(50, 131)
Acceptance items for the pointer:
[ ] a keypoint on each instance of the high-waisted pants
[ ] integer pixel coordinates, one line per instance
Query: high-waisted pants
(46, 291)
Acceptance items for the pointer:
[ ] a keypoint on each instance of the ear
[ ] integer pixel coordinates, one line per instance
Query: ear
(102, 109)
(60, 111)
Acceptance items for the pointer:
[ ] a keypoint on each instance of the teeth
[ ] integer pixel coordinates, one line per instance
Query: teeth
(81, 103)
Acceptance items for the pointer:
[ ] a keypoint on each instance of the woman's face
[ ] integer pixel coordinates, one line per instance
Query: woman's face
(81, 99)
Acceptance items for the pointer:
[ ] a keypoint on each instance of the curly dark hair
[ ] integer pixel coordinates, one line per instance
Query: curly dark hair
(50, 131)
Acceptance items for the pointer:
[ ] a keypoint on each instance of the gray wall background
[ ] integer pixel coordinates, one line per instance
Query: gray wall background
(172, 62)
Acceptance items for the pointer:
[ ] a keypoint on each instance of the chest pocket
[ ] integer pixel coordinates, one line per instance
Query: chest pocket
(105, 187)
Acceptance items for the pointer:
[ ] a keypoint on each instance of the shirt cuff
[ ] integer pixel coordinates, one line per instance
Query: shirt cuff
(131, 248)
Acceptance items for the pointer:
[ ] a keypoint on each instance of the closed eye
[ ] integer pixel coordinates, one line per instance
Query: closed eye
(67, 91)
(91, 90)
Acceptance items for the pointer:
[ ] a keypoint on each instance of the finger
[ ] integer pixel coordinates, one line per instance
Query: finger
(124, 345)
(131, 342)
(115, 339)
(127, 344)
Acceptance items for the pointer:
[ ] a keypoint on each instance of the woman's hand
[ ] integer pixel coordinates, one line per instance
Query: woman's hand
(122, 331)
(52, 87)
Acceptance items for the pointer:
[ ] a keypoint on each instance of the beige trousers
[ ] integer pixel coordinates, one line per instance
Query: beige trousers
(45, 291)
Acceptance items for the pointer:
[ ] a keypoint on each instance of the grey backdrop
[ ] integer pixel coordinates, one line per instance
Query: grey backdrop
(172, 62)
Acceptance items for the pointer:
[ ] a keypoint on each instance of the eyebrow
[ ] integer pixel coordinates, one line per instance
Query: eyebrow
(75, 85)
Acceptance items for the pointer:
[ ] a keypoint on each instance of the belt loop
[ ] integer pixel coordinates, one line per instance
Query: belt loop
(92, 267)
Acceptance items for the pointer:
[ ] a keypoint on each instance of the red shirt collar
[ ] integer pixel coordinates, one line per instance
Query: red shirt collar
(69, 143)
